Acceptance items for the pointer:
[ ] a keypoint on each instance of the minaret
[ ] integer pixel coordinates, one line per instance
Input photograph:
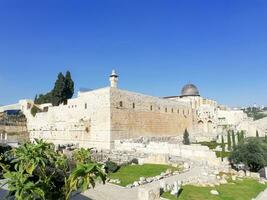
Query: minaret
(113, 78)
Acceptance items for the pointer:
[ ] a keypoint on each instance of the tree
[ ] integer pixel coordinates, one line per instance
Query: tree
(233, 139)
(58, 95)
(257, 134)
(265, 139)
(186, 140)
(242, 137)
(229, 141)
(36, 171)
(69, 86)
(223, 144)
(62, 91)
(252, 153)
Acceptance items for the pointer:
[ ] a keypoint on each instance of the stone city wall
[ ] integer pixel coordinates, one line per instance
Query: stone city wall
(134, 115)
(85, 120)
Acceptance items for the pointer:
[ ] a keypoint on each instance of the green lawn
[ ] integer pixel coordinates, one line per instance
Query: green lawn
(240, 190)
(129, 174)
(223, 154)
(211, 144)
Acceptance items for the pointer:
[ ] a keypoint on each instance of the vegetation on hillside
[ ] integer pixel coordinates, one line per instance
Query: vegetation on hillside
(256, 113)
(62, 91)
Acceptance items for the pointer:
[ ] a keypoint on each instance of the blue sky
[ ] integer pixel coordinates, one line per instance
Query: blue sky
(156, 46)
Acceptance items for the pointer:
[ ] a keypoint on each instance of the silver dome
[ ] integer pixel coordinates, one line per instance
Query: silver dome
(190, 90)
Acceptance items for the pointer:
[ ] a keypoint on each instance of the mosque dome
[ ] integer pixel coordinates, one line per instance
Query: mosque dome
(189, 90)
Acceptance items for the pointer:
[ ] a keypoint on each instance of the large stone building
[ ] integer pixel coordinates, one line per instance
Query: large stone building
(99, 117)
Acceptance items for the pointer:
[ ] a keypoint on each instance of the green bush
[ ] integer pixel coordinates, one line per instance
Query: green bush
(253, 153)
(111, 167)
(35, 110)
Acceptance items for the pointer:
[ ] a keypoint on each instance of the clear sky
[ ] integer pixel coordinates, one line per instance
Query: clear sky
(156, 46)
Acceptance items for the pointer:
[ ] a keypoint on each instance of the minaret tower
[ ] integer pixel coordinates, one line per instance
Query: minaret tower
(113, 78)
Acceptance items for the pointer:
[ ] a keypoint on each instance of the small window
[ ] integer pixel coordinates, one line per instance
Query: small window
(178, 111)
(133, 105)
(172, 110)
(151, 107)
(159, 108)
(121, 104)
(85, 106)
(166, 110)
(183, 111)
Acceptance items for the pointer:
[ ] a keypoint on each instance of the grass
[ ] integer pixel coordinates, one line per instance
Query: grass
(236, 190)
(211, 144)
(223, 154)
(130, 173)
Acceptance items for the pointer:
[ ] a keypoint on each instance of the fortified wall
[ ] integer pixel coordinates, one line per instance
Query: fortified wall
(134, 115)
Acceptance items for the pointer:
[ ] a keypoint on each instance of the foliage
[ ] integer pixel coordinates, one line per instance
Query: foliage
(41, 173)
(223, 144)
(255, 113)
(233, 139)
(111, 167)
(35, 110)
(246, 189)
(186, 140)
(211, 144)
(252, 153)
(62, 91)
(257, 134)
(222, 154)
(130, 173)
(229, 141)
(82, 155)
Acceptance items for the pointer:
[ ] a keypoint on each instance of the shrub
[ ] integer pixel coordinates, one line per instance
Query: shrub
(252, 153)
(35, 110)
(186, 140)
(111, 167)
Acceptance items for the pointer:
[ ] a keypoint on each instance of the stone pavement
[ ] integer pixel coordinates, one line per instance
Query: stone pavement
(262, 195)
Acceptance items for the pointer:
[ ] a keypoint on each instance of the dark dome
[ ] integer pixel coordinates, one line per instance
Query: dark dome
(190, 90)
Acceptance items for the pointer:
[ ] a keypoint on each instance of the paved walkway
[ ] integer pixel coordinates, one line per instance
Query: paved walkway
(114, 192)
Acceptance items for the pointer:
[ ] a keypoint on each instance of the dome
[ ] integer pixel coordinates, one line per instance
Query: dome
(190, 90)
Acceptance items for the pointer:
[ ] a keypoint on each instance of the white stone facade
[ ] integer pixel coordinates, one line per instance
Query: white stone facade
(99, 117)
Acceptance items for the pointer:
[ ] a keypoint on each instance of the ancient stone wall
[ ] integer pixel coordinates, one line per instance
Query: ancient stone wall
(84, 120)
(134, 115)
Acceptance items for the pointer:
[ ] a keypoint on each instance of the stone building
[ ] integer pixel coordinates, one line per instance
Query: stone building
(99, 117)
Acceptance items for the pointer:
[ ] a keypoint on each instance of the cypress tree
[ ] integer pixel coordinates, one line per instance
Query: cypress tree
(242, 137)
(238, 137)
(233, 139)
(257, 134)
(58, 91)
(69, 86)
(223, 144)
(186, 140)
(229, 141)
(265, 139)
